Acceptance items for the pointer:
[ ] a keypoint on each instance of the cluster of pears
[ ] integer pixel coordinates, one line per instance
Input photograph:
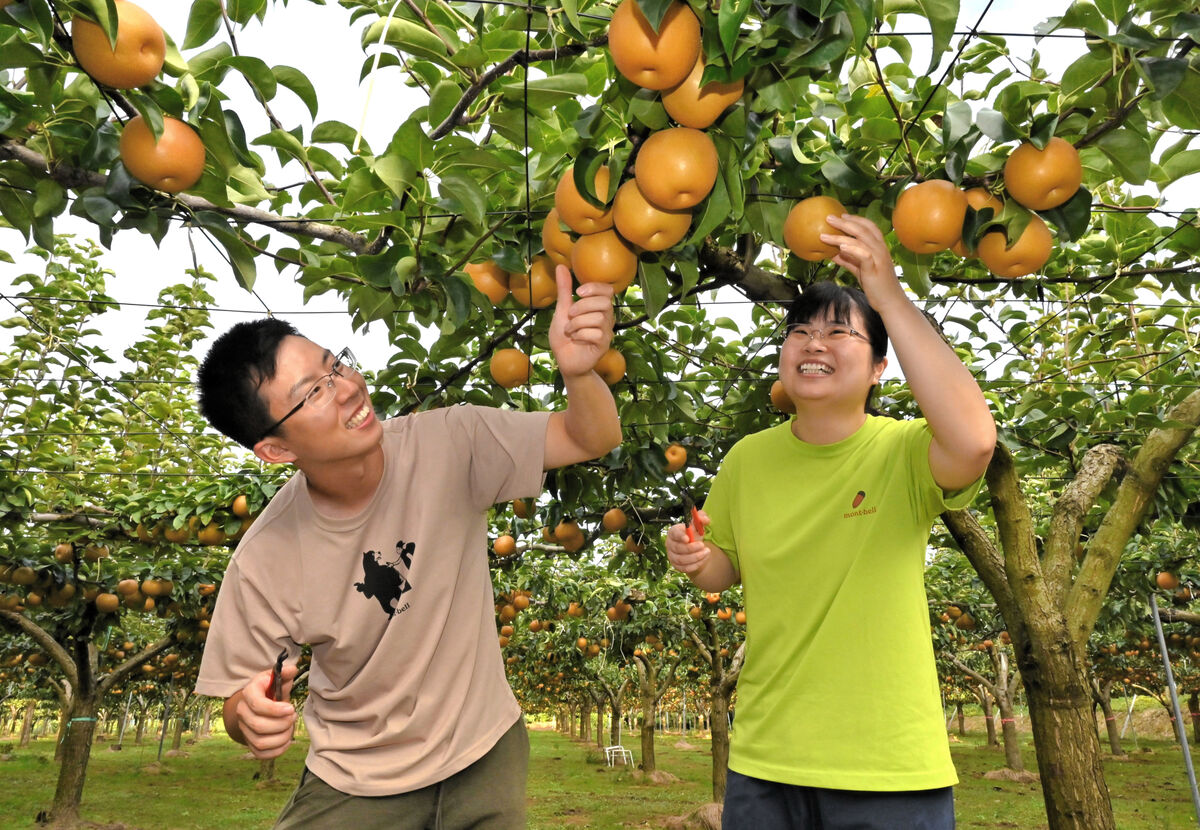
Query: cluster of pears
(172, 162)
(929, 216)
(675, 170)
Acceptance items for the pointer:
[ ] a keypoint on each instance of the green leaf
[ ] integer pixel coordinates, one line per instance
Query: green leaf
(256, 72)
(396, 172)
(442, 100)
(204, 21)
(1186, 23)
(466, 193)
(410, 38)
(1129, 153)
(1114, 10)
(655, 288)
(291, 78)
(414, 144)
(1182, 106)
(942, 16)
(995, 126)
(546, 93)
(730, 17)
(1083, 15)
(1165, 74)
(716, 210)
(655, 11)
(1083, 74)
(333, 132)
(584, 175)
(1184, 163)
(1073, 217)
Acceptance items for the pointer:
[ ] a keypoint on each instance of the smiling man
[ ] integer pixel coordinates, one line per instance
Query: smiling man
(375, 555)
(824, 520)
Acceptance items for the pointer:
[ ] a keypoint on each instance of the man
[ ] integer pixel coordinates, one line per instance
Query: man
(825, 521)
(374, 553)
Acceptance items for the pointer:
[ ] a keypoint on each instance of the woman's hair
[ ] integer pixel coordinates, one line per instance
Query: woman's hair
(837, 303)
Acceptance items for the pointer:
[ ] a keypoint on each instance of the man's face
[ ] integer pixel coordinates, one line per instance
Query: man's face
(834, 366)
(345, 426)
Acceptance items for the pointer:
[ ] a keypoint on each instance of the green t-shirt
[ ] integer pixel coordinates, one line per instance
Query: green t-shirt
(839, 687)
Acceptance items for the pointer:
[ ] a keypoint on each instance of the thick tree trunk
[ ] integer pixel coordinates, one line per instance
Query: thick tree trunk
(72, 772)
(571, 721)
(1068, 749)
(719, 718)
(615, 722)
(585, 719)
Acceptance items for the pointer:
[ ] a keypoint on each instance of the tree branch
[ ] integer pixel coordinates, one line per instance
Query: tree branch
(1078, 497)
(522, 58)
(1133, 500)
(79, 179)
(984, 557)
(51, 646)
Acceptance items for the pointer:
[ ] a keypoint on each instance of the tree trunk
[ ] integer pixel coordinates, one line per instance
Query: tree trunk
(599, 724)
(719, 718)
(962, 720)
(1102, 694)
(180, 723)
(648, 701)
(1194, 712)
(27, 724)
(1068, 749)
(985, 700)
(585, 719)
(1008, 727)
(266, 770)
(72, 772)
(615, 722)
(570, 721)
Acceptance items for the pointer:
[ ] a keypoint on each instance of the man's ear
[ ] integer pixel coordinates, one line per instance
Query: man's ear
(273, 450)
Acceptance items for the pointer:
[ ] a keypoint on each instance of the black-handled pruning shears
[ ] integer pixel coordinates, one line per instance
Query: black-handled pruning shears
(275, 692)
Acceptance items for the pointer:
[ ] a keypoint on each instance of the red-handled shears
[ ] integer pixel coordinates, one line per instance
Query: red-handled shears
(695, 530)
(275, 692)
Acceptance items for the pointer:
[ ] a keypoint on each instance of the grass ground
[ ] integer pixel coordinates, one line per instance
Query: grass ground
(569, 786)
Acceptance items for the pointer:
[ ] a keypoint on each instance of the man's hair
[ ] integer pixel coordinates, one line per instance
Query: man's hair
(234, 370)
(837, 303)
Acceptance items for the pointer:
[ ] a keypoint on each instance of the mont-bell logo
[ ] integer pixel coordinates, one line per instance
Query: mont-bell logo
(856, 508)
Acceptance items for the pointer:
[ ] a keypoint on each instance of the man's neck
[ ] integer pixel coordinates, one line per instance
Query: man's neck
(345, 488)
(816, 425)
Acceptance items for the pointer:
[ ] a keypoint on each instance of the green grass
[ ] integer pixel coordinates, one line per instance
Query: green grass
(569, 786)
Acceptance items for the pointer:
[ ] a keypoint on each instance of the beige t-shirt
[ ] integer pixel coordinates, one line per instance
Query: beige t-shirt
(407, 683)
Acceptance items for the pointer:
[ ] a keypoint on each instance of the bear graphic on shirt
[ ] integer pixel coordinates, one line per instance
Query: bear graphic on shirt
(386, 582)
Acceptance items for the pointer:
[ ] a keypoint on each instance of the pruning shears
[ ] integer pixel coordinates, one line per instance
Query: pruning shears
(275, 692)
(694, 530)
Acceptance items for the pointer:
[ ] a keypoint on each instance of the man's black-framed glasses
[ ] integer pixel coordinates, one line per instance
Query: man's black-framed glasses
(323, 391)
(831, 334)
